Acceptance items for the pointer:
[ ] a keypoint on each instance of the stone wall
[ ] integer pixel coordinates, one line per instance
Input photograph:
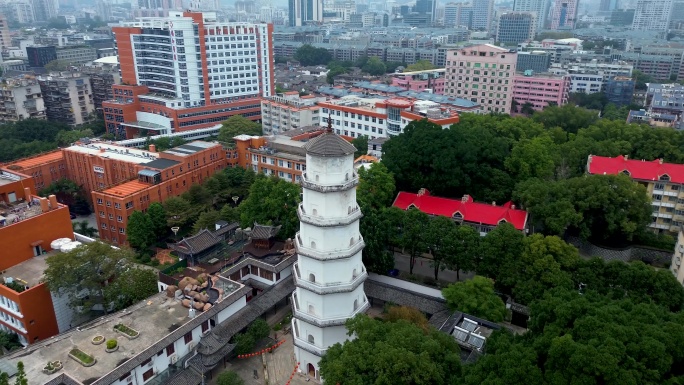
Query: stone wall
(632, 253)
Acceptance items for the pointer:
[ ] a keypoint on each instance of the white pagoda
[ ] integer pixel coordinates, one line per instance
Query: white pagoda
(329, 273)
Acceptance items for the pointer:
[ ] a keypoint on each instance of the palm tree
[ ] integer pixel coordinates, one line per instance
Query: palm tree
(84, 228)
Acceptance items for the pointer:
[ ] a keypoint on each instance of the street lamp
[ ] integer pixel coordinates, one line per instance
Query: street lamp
(235, 199)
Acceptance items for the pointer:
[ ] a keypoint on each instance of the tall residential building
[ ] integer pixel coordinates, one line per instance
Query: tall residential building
(538, 7)
(188, 71)
(451, 11)
(608, 5)
(21, 99)
(329, 273)
(68, 98)
(483, 14)
(483, 74)
(540, 90)
(303, 12)
(44, 10)
(426, 7)
(5, 37)
(652, 15)
(564, 14)
(516, 27)
(22, 11)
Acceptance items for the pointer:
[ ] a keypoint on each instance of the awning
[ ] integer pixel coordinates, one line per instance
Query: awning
(36, 243)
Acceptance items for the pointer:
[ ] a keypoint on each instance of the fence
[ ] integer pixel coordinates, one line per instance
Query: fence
(631, 253)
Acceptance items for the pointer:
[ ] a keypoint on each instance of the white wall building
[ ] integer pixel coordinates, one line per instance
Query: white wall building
(329, 273)
(676, 265)
(289, 111)
(652, 15)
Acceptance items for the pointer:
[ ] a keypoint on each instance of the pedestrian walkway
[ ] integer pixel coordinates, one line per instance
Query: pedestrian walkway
(423, 268)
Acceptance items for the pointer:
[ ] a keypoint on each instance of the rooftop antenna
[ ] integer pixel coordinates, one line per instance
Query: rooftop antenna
(329, 130)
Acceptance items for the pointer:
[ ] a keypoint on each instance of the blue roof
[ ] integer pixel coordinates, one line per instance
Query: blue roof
(336, 92)
(442, 99)
(379, 87)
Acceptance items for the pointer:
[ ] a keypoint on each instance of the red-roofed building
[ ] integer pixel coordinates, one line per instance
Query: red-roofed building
(484, 217)
(662, 180)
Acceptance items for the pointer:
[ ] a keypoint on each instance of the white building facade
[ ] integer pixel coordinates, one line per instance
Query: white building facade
(652, 15)
(329, 273)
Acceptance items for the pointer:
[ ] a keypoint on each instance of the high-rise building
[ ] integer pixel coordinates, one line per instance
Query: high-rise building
(188, 71)
(608, 5)
(483, 13)
(451, 14)
(5, 37)
(539, 7)
(564, 14)
(482, 74)
(329, 273)
(652, 15)
(476, 15)
(303, 12)
(68, 98)
(516, 27)
(38, 56)
(537, 61)
(622, 17)
(44, 10)
(21, 11)
(426, 7)
(21, 99)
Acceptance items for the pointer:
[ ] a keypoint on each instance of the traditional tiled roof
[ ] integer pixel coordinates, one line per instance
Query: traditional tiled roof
(197, 243)
(636, 169)
(264, 232)
(466, 209)
(329, 145)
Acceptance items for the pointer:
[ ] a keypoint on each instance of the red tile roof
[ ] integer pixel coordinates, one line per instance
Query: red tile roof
(471, 211)
(637, 169)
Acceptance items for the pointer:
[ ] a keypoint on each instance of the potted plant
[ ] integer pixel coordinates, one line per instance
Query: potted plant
(82, 357)
(57, 365)
(126, 331)
(97, 340)
(112, 346)
(49, 368)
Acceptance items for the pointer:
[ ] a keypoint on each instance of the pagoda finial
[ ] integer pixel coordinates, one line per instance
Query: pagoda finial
(329, 124)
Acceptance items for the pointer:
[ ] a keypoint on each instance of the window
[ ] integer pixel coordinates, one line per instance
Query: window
(99, 201)
(119, 218)
(148, 374)
(170, 350)
(187, 338)
(117, 206)
(205, 326)
(659, 186)
(109, 204)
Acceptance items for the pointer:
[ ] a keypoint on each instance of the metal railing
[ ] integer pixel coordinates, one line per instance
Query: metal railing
(323, 255)
(329, 287)
(316, 220)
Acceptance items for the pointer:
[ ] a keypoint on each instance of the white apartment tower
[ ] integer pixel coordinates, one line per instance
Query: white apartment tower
(652, 15)
(329, 273)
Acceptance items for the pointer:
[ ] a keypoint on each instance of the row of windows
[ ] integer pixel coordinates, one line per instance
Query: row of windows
(218, 118)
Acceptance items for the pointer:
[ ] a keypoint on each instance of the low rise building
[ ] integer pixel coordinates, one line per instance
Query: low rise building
(654, 119)
(289, 111)
(482, 216)
(620, 90)
(76, 55)
(21, 98)
(540, 90)
(537, 61)
(376, 118)
(516, 27)
(663, 182)
(676, 264)
(428, 80)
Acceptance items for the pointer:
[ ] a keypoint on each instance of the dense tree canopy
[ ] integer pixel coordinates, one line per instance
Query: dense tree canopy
(272, 201)
(420, 65)
(308, 55)
(392, 353)
(237, 125)
(477, 297)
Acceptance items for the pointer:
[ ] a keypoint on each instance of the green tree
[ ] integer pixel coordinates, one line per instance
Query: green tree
(244, 343)
(140, 231)
(308, 55)
(533, 158)
(476, 297)
(206, 220)
(377, 231)
(568, 117)
(178, 211)
(57, 65)
(361, 144)
(66, 138)
(392, 353)
(229, 213)
(641, 79)
(410, 314)
(84, 274)
(414, 235)
(199, 198)
(9, 341)
(157, 216)
(21, 375)
(272, 201)
(84, 228)
(438, 236)
(462, 244)
(527, 108)
(259, 329)
(499, 256)
(68, 193)
(229, 378)
(4, 378)
(420, 65)
(374, 66)
(237, 125)
(376, 187)
(132, 286)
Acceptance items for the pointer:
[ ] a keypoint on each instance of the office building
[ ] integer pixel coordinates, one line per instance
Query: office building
(652, 15)
(663, 184)
(622, 17)
(426, 7)
(539, 7)
(377, 118)
(564, 15)
(21, 98)
(451, 12)
(76, 55)
(44, 10)
(484, 217)
(483, 74)
(421, 81)
(475, 15)
(177, 92)
(167, 174)
(536, 61)
(289, 111)
(540, 90)
(304, 12)
(608, 5)
(21, 11)
(39, 56)
(68, 98)
(620, 90)
(515, 27)
(28, 225)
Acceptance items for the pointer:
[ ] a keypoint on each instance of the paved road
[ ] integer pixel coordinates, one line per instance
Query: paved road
(424, 268)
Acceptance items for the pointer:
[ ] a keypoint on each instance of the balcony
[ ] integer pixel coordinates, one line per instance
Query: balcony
(323, 188)
(322, 255)
(314, 319)
(302, 344)
(315, 220)
(329, 287)
(659, 226)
